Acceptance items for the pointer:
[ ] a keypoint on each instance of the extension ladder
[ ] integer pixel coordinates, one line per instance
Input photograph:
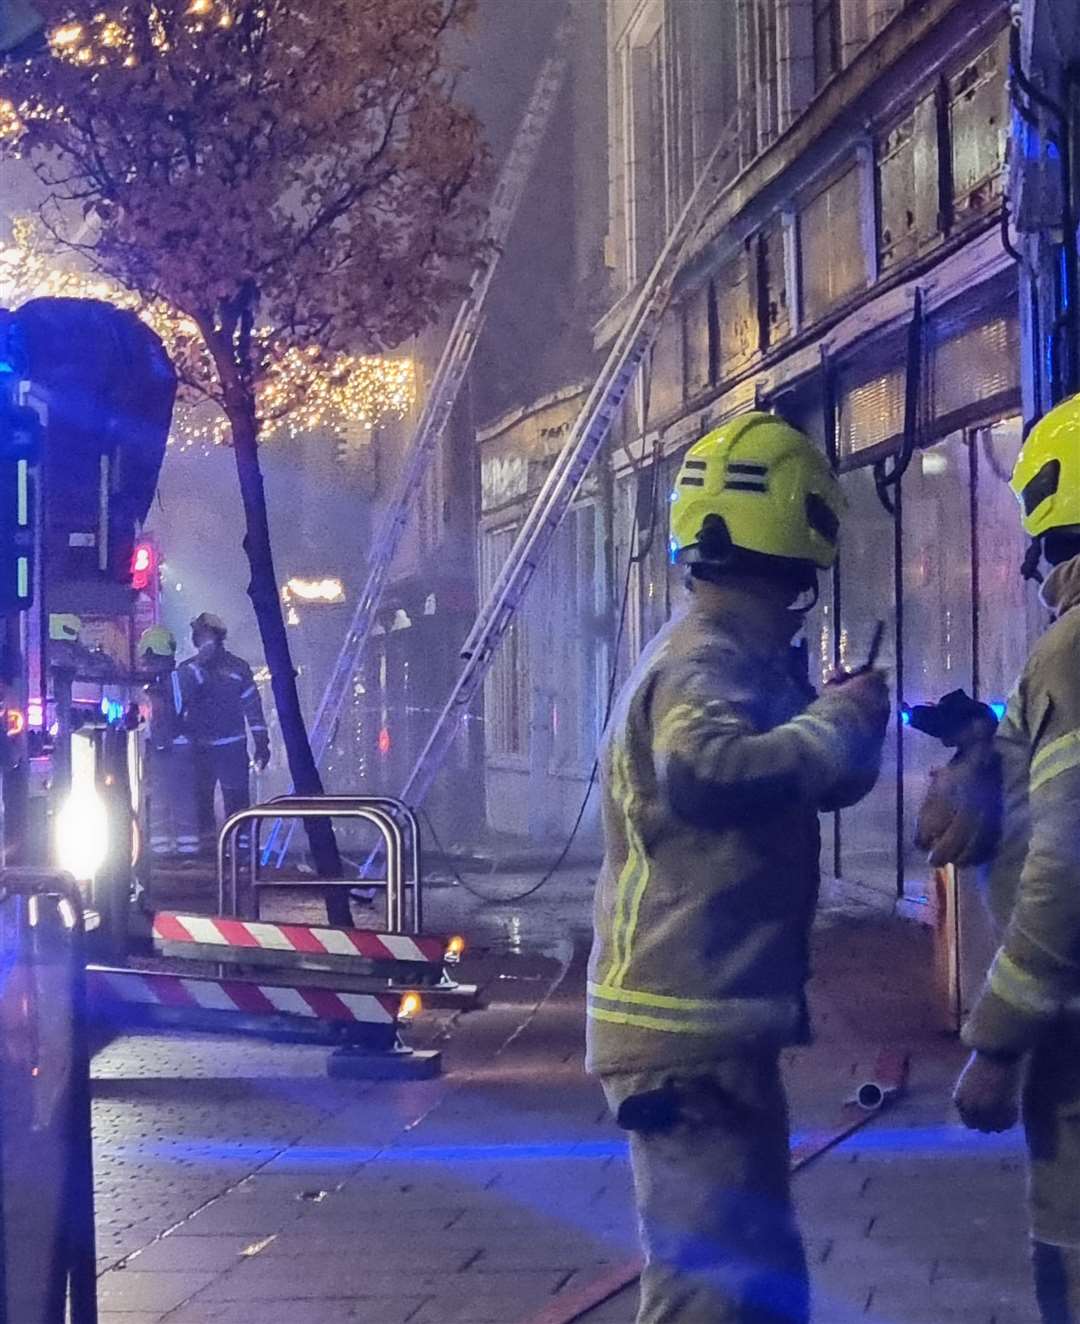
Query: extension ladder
(568, 472)
(445, 389)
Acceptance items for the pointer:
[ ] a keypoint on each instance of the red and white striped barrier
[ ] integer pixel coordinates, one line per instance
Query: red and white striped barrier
(218, 931)
(108, 987)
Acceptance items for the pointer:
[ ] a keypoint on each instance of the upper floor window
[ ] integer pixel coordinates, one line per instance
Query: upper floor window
(828, 40)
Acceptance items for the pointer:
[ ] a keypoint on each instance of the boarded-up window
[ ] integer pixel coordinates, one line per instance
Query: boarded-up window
(979, 121)
(908, 183)
(833, 255)
(666, 376)
(773, 274)
(699, 317)
(737, 313)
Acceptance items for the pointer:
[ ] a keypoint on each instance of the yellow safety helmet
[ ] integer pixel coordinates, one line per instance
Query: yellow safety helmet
(759, 487)
(1046, 478)
(157, 640)
(206, 620)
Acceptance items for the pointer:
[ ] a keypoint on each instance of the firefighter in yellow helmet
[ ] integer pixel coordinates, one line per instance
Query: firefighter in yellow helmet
(714, 768)
(170, 766)
(1024, 1031)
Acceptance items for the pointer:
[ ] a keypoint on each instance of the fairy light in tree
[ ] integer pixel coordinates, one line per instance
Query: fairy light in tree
(301, 391)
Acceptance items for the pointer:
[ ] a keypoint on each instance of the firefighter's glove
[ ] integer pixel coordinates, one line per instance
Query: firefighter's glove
(262, 753)
(987, 1095)
(868, 692)
(959, 821)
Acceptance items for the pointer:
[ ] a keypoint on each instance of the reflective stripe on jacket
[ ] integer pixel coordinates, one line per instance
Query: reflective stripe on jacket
(1034, 883)
(716, 763)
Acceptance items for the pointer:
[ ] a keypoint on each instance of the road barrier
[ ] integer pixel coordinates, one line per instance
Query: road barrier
(375, 811)
(47, 1256)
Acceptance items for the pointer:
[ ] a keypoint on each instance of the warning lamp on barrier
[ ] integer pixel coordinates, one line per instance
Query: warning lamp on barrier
(411, 1006)
(14, 721)
(455, 948)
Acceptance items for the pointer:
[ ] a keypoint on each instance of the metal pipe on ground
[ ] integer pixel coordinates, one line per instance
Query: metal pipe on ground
(889, 1078)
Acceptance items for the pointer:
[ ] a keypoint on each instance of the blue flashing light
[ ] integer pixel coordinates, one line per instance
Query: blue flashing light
(112, 710)
(905, 715)
(998, 709)
(673, 550)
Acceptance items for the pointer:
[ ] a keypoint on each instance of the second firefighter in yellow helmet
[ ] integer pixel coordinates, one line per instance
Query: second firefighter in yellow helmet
(715, 765)
(1024, 1030)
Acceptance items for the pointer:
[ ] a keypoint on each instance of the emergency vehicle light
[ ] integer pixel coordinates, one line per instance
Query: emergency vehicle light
(82, 834)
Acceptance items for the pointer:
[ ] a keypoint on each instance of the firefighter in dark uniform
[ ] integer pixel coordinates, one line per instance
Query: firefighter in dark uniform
(227, 707)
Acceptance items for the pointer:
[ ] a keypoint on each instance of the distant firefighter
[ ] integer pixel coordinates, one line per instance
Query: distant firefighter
(226, 710)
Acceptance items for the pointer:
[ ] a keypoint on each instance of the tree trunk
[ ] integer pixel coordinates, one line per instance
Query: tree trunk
(266, 600)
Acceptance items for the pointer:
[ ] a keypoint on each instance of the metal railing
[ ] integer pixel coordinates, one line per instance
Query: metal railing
(47, 1252)
(376, 810)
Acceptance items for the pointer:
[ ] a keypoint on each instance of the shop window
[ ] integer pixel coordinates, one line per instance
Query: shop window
(868, 831)
(506, 687)
(978, 124)
(908, 186)
(834, 264)
(1009, 616)
(577, 610)
(938, 613)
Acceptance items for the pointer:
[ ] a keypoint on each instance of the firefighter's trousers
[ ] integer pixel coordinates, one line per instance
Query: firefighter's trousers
(226, 766)
(1052, 1127)
(713, 1189)
(174, 827)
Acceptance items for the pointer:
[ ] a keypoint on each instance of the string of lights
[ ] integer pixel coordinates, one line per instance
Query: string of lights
(300, 392)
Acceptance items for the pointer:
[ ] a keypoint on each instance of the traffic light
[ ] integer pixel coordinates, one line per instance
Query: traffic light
(143, 566)
(20, 451)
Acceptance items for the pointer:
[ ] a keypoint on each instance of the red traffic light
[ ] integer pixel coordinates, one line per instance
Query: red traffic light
(143, 564)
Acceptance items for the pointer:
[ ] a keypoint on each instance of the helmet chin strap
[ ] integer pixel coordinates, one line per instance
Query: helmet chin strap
(808, 599)
(1029, 567)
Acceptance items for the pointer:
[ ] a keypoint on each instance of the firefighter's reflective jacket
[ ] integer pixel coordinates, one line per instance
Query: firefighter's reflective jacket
(169, 696)
(1034, 882)
(717, 762)
(228, 699)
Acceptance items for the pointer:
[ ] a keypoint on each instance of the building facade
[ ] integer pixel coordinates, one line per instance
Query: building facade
(856, 275)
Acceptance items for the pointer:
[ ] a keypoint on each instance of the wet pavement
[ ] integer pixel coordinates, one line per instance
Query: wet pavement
(239, 1184)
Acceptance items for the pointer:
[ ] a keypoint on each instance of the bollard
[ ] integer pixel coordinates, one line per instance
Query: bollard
(47, 1253)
